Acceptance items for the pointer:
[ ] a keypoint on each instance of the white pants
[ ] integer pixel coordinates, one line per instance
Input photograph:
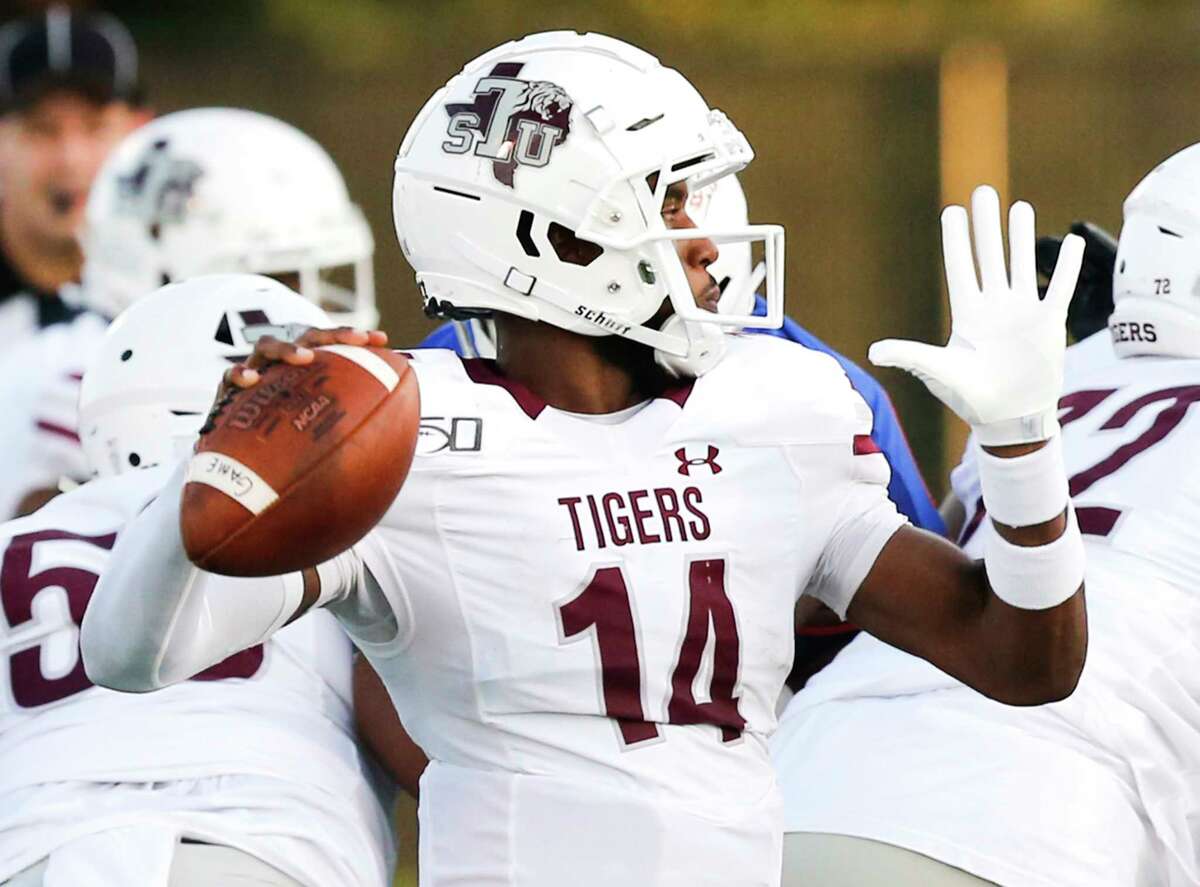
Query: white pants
(822, 860)
(194, 865)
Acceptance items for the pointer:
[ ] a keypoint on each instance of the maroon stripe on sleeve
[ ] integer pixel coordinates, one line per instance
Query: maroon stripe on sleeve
(864, 445)
(60, 430)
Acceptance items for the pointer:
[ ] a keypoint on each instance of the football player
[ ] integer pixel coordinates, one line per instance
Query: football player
(581, 601)
(195, 192)
(1099, 789)
(69, 93)
(247, 774)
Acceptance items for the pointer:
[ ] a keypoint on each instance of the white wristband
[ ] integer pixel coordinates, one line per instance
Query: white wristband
(1035, 577)
(1025, 490)
(339, 576)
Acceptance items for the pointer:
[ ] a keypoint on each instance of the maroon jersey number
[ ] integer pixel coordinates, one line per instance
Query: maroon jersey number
(20, 587)
(1174, 403)
(604, 607)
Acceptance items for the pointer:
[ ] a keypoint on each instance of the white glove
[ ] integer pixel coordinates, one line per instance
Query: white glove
(1002, 370)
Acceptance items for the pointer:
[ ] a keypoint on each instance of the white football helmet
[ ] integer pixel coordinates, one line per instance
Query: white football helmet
(1156, 282)
(222, 190)
(554, 139)
(150, 385)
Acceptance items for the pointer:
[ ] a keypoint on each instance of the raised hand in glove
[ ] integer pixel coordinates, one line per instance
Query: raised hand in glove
(1002, 370)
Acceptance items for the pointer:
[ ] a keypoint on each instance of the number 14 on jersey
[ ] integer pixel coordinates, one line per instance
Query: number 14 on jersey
(604, 611)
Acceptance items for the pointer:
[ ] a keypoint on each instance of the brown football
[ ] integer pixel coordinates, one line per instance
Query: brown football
(298, 468)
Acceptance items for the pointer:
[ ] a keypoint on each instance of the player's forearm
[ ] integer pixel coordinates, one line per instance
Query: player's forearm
(1032, 657)
(1034, 615)
(155, 619)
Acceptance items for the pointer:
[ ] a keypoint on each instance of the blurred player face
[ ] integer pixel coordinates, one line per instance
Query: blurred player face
(698, 254)
(49, 154)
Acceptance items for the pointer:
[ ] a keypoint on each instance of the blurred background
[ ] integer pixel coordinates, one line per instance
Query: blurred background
(866, 115)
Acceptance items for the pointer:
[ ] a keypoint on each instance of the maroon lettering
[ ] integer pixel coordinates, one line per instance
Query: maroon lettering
(701, 529)
(647, 517)
(604, 605)
(708, 603)
(600, 543)
(639, 517)
(625, 536)
(668, 508)
(19, 587)
(570, 502)
(1079, 403)
(1181, 399)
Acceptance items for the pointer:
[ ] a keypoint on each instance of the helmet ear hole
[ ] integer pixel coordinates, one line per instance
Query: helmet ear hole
(135, 460)
(571, 249)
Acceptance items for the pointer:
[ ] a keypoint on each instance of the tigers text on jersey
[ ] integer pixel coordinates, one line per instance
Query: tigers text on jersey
(595, 613)
(262, 743)
(1094, 790)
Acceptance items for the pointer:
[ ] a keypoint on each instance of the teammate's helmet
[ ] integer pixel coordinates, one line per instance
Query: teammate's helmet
(151, 383)
(1156, 285)
(221, 190)
(553, 140)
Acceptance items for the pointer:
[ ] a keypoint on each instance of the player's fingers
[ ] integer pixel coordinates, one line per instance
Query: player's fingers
(378, 338)
(1022, 245)
(989, 240)
(269, 350)
(238, 376)
(918, 358)
(342, 335)
(956, 254)
(1066, 273)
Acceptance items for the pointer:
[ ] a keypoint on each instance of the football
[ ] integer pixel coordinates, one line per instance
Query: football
(296, 469)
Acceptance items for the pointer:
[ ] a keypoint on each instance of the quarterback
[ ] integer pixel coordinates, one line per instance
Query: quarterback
(581, 601)
(247, 774)
(1099, 789)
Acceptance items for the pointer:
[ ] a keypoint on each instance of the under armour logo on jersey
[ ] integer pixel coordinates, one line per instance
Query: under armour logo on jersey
(686, 465)
(158, 190)
(512, 122)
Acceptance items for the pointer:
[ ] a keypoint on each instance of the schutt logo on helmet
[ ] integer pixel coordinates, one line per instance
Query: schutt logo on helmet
(510, 121)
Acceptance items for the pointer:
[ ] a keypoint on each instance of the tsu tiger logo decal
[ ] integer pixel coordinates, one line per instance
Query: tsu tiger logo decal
(510, 121)
(159, 188)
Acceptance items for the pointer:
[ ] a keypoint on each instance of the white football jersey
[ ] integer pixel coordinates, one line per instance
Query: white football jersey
(258, 752)
(1100, 789)
(39, 415)
(594, 614)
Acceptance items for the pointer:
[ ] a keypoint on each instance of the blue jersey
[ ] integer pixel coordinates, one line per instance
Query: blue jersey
(907, 488)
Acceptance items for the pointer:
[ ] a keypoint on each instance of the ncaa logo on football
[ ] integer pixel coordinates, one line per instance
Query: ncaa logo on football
(511, 122)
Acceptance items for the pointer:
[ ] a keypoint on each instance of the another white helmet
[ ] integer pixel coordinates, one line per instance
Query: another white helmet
(221, 190)
(150, 385)
(1156, 283)
(551, 140)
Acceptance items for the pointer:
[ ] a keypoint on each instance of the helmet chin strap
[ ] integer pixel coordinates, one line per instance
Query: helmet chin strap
(1147, 326)
(706, 348)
